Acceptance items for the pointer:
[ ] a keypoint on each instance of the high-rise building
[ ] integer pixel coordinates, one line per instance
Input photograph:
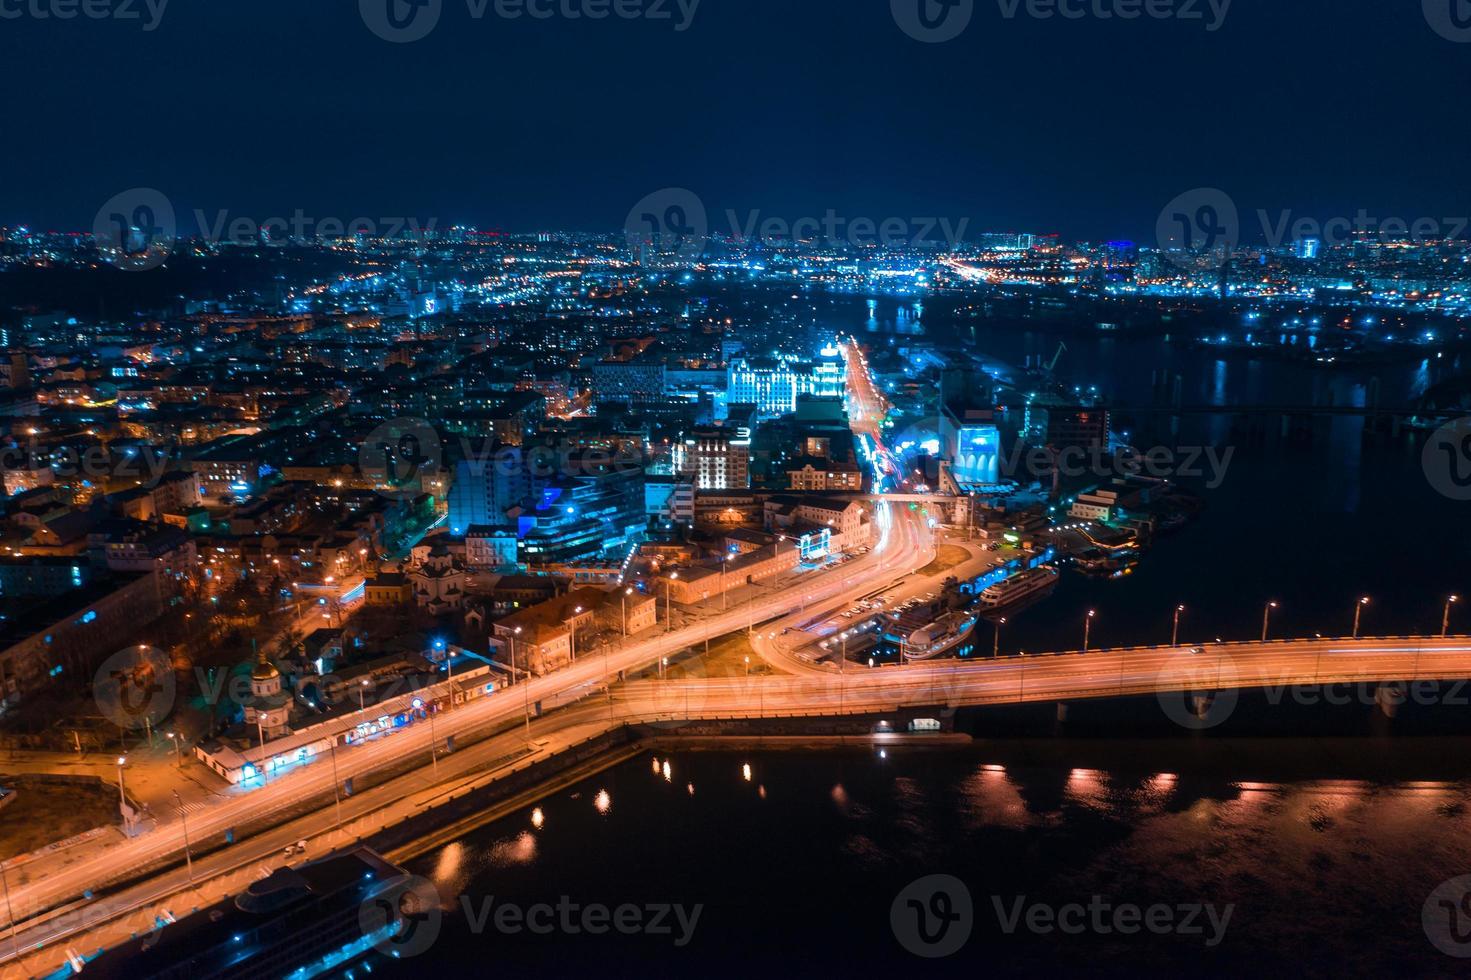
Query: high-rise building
(1085, 427)
(485, 489)
(716, 458)
(585, 517)
(637, 382)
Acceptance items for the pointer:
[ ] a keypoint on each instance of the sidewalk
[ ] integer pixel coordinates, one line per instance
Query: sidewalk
(151, 778)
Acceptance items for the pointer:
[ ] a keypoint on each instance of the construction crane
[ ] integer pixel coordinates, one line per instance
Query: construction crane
(1061, 349)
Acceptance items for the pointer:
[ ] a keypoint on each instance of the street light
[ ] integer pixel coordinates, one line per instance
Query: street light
(996, 642)
(361, 687)
(122, 793)
(1175, 630)
(419, 705)
(1358, 611)
(573, 631)
(1445, 619)
(526, 695)
(669, 601)
(626, 593)
(1267, 619)
(1088, 628)
(178, 760)
(724, 596)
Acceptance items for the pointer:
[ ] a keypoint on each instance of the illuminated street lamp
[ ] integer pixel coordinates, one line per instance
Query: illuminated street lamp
(1088, 628)
(572, 631)
(526, 695)
(1358, 612)
(1267, 619)
(1445, 619)
(1175, 630)
(122, 793)
(669, 601)
(419, 705)
(996, 642)
(626, 593)
(361, 688)
(178, 760)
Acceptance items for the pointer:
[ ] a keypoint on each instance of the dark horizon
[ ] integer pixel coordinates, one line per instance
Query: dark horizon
(1085, 128)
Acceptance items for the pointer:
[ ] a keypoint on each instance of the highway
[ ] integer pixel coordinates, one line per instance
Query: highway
(1275, 666)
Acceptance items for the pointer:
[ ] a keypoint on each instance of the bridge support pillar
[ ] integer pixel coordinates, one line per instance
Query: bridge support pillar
(1201, 701)
(1388, 696)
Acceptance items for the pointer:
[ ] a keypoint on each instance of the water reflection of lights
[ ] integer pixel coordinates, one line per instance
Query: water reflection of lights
(691, 788)
(761, 791)
(656, 766)
(668, 771)
(1086, 786)
(451, 859)
(603, 801)
(994, 768)
(746, 772)
(840, 795)
(520, 849)
(538, 818)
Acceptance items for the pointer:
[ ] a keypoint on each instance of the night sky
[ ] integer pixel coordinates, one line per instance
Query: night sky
(792, 107)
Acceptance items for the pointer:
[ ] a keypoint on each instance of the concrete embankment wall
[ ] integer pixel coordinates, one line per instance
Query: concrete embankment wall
(462, 812)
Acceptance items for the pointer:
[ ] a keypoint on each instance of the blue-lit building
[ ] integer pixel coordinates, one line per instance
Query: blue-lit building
(978, 455)
(585, 517)
(485, 489)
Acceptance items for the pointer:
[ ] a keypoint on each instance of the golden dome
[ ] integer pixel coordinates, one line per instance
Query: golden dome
(264, 671)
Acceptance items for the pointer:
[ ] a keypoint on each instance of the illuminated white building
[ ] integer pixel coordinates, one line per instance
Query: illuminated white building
(773, 384)
(717, 459)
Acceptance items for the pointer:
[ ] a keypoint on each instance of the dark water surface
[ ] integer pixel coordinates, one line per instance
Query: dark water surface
(797, 868)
